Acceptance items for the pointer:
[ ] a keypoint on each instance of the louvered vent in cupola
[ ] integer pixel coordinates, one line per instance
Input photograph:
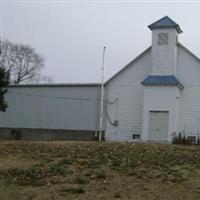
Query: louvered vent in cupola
(163, 38)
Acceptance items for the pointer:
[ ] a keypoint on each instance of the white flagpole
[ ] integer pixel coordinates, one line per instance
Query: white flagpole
(102, 96)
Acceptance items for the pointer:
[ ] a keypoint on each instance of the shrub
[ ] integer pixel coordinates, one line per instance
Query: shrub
(181, 139)
(17, 134)
(198, 140)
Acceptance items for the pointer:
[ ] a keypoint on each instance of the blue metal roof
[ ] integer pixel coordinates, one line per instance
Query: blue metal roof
(165, 22)
(155, 80)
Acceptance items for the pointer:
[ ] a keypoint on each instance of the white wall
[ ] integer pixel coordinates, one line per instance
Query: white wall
(128, 109)
(188, 72)
(161, 98)
(184, 105)
(164, 56)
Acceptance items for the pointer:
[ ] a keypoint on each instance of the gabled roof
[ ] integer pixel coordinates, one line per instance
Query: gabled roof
(128, 65)
(186, 49)
(159, 80)
(165, 22)
(140, 55)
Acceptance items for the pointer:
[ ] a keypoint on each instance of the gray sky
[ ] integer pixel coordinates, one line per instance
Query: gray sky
(71, 35)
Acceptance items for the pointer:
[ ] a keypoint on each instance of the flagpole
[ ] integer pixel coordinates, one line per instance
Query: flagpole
(102, 96)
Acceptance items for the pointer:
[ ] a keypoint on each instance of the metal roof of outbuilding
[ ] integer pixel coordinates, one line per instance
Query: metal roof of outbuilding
(165, 22)
(58, 85)
(156, 80)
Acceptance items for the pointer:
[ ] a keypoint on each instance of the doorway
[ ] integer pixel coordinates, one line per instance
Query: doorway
(158, 126)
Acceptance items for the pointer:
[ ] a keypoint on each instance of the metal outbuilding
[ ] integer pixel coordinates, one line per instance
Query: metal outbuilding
(51, 111)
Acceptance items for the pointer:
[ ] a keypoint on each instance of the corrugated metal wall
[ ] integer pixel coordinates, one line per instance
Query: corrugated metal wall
(56, 107)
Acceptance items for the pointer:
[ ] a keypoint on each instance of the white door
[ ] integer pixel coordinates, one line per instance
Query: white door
(158, 126)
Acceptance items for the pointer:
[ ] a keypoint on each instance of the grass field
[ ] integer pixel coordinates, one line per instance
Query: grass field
(94, 171)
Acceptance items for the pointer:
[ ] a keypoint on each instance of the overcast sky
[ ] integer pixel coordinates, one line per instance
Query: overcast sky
(71, 35)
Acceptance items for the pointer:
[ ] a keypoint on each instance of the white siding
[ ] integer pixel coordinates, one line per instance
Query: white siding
(188, 72)
(161, 98)
(164, 56)
(128, 109)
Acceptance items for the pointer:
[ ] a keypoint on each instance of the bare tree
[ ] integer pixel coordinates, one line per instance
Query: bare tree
(23, 63)
(4, 82)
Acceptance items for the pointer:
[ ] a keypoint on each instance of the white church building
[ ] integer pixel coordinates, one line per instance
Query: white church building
(154, 97)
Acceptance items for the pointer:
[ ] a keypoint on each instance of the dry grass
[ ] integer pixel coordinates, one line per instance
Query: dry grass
(91, 170)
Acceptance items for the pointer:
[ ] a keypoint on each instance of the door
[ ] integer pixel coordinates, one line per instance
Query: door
(158, 126)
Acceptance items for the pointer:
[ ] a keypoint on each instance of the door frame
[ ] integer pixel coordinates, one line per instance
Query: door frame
(158, 111)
